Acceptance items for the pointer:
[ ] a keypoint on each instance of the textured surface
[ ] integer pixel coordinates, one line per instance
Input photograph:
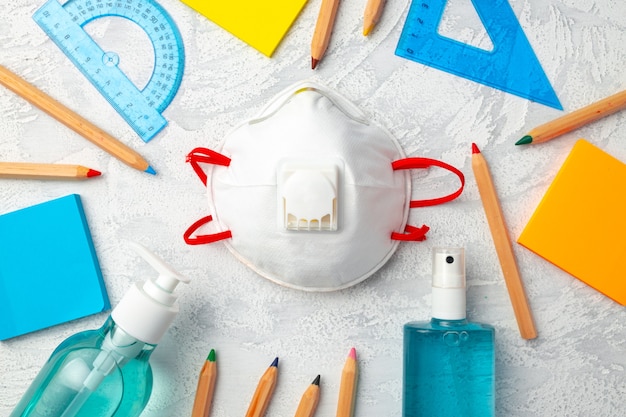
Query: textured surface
(577, 365)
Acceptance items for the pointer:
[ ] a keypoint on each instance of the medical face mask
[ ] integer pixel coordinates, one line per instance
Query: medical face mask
(309, 193)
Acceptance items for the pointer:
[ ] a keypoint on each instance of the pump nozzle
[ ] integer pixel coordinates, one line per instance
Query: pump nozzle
(168, 278)
(148, 309)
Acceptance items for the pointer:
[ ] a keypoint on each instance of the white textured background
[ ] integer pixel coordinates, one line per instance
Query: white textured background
(575, 368)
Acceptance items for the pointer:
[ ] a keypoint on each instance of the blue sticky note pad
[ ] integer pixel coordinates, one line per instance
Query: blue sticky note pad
(49, 271)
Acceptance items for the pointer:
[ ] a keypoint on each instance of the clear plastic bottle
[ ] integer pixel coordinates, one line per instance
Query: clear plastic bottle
(449, 362)
(106, 372)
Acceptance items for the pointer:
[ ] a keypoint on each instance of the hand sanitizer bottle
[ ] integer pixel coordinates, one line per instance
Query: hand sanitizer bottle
(449, 363)
(106, 372)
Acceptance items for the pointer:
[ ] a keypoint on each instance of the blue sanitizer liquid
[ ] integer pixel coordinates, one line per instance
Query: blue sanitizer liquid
(449, 369)
(59, 390)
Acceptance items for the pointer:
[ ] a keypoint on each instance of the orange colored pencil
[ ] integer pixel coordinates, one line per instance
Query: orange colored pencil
(575, 119)
(347, 389)
(309, 400)
(373, 11)
(27, 170)
(323, 30)
(502, 242)
(206, 386)
(263, 394)
(74, 121)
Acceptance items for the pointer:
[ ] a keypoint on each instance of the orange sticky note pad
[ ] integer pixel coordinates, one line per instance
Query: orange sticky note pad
(261, 24)
(580, 224)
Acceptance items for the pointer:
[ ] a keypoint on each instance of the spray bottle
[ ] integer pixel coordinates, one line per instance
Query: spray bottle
(449, 361)
(106, 372)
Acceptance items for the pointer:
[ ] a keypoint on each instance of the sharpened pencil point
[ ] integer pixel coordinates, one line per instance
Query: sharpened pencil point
(316, 381)
(352, 353)
(150, 170)
(367, 30)
(93, 173)
(275, 363)
(525, 140)
(211, 357)
(475, 148)
(314, 63)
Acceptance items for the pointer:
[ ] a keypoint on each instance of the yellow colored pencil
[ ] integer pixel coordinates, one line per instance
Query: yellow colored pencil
(347, 388)
(575, 119)
(74, 121)
(323, 30)
(206, 386)
(309, 400)
(27, 170)
(373, 11)
(263, 393)
(502, 242)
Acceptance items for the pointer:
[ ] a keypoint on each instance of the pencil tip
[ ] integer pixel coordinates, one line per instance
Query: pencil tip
(211, 357)
(275, 363)
(93, 173)
(475, 148)
(316, 381)
(367, 30)
(525, 140)
(314, 63)
(352, 354)
(150, 170)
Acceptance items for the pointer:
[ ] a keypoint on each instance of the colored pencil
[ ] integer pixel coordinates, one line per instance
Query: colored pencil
(347, 388)
(575, 119)
(263, 393)
(74, 121)
(206, 386)
(373, 11)
(309, 400)
(502, 242)
(323, 30)
(27, 170)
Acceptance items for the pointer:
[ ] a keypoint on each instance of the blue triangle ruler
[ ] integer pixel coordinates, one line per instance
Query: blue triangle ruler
(142, 109)
(511, 66)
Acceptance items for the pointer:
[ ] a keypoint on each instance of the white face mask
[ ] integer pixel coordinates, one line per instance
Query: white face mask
(309, 194)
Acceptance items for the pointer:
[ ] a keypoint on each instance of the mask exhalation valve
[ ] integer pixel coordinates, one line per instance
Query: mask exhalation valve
(308, 195)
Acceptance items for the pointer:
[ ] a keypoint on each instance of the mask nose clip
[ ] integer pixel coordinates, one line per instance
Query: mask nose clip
(308, 194)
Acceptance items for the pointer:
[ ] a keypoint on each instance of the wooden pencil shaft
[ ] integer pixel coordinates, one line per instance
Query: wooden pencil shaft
(309, 402)
(347, 389)
(263, 393)
(579, 118)
(324, 28)
(504, 249)
(373, 11)
(71, 119)
(204, 391)
(27, 170)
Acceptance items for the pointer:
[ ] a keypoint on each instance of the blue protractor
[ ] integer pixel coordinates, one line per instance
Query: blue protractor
(142, 109)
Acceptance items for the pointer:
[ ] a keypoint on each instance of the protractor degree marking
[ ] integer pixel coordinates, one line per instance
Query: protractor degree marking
(156, 24)
(140, 108)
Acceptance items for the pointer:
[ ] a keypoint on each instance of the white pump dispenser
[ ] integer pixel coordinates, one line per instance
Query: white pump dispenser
(147, 310)
(106, 372)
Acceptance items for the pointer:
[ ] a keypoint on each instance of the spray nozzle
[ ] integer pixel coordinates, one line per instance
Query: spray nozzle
(448, 283)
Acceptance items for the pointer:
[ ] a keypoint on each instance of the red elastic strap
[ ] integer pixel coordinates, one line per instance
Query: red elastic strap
(418, 163)
(202, 239)
(412, 233)
(207, 156)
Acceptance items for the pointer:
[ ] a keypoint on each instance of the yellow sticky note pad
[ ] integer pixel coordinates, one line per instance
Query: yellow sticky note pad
(580, 224)
(261, 24)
